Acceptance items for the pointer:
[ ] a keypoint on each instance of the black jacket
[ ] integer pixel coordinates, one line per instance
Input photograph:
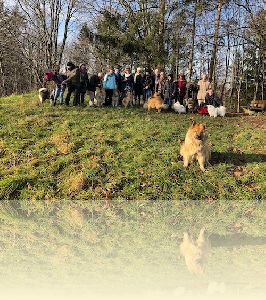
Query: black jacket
(94, 82)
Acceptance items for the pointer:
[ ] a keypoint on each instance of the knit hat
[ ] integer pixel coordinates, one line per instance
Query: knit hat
(70, 64)
(171, 75)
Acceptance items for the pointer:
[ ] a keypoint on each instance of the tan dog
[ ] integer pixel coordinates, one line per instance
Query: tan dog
(115, 99)
(195, 252)
(99, 97)
(128, 99)
(155, 101)
(196, 146)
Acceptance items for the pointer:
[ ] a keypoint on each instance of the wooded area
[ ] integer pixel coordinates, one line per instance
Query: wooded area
(225, 39)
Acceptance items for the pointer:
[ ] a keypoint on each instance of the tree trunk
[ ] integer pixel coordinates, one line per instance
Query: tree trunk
(216, 37)
(161, 37)
(191, 54)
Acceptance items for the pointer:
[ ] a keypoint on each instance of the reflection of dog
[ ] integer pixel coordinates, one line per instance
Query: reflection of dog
(195, 252)
(115, 99)
(216, 111)
(44, 94)
(155, 101)
(99, 97)
(177, 107)
(128, 99)
(196, 146)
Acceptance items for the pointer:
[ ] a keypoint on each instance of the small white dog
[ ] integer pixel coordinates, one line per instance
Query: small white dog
(216, 111)
(177, 107)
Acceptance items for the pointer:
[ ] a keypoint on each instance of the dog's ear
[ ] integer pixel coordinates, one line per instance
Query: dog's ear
(193, 122)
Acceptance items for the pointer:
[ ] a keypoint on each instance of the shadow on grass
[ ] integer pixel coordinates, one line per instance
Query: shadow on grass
(237, 159)
(236, 239)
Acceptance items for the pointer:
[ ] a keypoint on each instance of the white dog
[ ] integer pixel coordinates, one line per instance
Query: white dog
(221, 111)
(216, 111)
(177, 107)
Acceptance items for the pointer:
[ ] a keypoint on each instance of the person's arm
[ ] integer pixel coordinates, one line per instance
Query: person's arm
(174, 91)
(71, 76)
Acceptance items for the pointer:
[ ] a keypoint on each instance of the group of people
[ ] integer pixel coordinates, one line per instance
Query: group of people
(142, 85)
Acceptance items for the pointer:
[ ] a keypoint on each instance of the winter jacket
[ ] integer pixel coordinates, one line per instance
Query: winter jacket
(147, 83)
(204, 86)
(127, 82)
(138, 84)
(212, 100)
(109, 82)
(94, 82)
(83, 81)
(73, 77)
(59, 78)
(169, 90)
(181, 85)
(118, 78)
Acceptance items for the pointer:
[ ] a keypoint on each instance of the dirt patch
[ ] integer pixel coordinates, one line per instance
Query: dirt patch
(258, 122)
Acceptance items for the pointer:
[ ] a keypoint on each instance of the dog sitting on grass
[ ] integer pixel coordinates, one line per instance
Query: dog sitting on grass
(155, 101)
(196, 146)
(195, 252)
(216, 111)
(98, 97)
(115, 100)
(128, 99)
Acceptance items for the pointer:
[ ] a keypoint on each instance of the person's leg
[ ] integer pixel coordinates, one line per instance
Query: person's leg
(110, 97)
(76, 96)
(106, 97)
(200, 102)
(69, 92)
(55, 96)
(61, 95)
(82, 98)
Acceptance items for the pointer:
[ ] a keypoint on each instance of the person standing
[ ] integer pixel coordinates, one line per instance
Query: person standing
(138, 85)
(147, 84)
(169, 92)
(182, 88)
(161, 85)
(127, 80)
(155, 80)
(95, 81)
(118, 78)
(83, 82)
(73, 83)
(204, 85)
(109, 84)
(59, 88)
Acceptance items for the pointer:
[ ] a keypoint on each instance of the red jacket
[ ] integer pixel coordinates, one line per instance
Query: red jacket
(181, 85)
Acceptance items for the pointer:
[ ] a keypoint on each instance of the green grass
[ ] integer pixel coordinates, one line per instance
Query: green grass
(49, 153)
(82, 193)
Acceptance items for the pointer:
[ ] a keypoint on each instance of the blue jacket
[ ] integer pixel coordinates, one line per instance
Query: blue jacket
(109, 82)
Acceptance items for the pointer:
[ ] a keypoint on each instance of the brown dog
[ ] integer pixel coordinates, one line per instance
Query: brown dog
(195, 252)
(155, 101)
(128, 99)
(196, 146)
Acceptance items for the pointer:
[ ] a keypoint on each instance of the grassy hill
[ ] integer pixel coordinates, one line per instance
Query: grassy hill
(50, 153)
(68, 181)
